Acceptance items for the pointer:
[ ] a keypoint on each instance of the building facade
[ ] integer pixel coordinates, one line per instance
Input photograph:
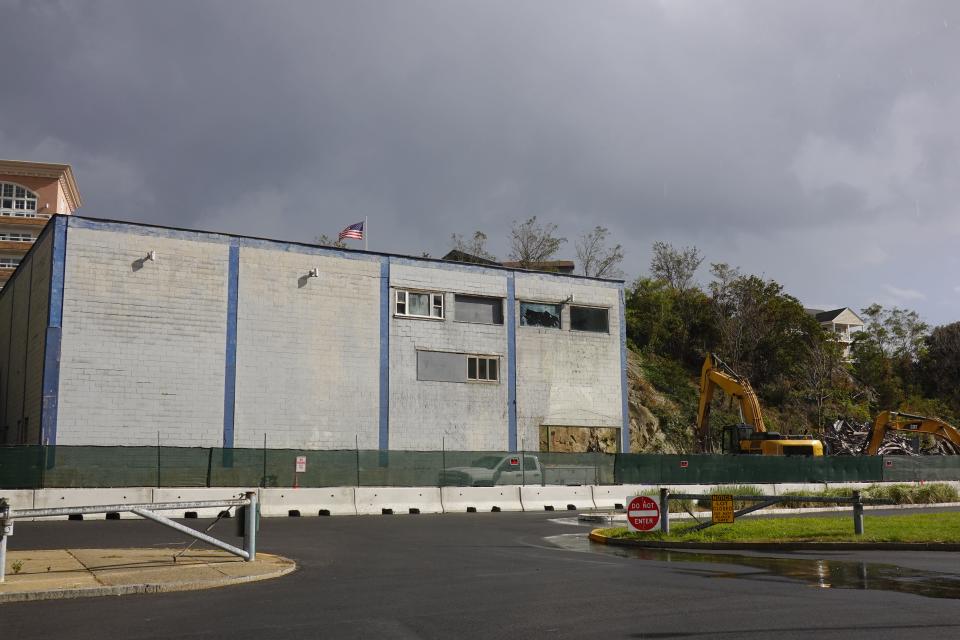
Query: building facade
(841, 324)
(121, 333)
(30, 192)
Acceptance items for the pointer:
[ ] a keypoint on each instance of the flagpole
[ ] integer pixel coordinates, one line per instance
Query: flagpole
(365, 233)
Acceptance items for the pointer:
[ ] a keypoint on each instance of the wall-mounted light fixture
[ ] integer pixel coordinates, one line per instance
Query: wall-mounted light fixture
(303, 280)
(139, 262)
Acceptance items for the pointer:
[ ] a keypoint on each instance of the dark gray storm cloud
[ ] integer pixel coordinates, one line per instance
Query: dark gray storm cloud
(817, 143)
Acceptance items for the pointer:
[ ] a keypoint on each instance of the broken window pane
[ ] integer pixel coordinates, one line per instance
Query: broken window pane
(589, 319)
(533, 314)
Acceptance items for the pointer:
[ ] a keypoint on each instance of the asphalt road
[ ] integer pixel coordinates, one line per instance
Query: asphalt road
(484, 576)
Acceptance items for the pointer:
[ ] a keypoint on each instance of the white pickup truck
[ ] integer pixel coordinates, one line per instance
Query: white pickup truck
(492, 470)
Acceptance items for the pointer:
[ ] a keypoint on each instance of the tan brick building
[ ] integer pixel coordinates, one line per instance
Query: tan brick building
(30, 192)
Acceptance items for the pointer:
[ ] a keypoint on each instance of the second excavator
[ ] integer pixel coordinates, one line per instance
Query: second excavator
(888, 421)
(750, 436)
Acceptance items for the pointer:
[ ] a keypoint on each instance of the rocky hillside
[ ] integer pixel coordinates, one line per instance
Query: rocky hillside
(662, 402)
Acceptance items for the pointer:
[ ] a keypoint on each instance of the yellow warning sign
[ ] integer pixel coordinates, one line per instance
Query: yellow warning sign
(722, 507)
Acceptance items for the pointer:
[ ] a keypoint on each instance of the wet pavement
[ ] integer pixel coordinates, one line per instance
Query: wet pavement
(824, 573)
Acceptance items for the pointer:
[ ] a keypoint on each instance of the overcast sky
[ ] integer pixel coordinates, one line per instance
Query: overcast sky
(817, 144)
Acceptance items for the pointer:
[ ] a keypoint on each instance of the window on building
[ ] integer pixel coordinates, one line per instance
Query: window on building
(589, 319)
(445, 366)
(17, 201)
(535, 314)
(419, 304)
(478, 309)
(16, 237)
(483, 368)
(9, 263)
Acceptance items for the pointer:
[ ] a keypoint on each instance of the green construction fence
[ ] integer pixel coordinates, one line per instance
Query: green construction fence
(38, 467)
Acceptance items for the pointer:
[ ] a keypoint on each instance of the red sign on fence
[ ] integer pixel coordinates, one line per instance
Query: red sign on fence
(643, 513)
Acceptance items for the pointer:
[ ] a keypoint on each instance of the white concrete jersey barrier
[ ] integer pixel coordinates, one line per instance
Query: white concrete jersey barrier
(18, 498)
(615, 496)
(332, 501)
(53, 498)
(195, 494)
(556, 498)
(480, 499)
(394, 500)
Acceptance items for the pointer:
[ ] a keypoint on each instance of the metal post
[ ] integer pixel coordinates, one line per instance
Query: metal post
(250, 529)
(356, 447)
(665, 510)
(3, 551)
(263, 482)
(6, 528)
(857, 514)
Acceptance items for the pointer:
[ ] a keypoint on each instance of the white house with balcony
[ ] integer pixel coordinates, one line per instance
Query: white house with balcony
(843, 323)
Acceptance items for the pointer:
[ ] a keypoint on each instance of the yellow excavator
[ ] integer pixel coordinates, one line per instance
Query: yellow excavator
(751, 435)
(888, 421)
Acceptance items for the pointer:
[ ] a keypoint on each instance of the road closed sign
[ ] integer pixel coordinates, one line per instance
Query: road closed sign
(643, 513)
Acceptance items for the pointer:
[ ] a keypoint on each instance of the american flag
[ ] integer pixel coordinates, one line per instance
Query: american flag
(354, 231)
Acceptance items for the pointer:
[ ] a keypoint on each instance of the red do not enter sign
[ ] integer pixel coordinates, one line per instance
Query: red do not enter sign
(643, 513)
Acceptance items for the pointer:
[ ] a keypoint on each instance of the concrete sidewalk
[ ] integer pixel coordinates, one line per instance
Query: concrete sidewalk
(78, 573)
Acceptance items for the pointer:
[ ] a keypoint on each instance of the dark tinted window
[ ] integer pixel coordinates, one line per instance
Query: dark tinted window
(589, 319)
(478, 309)
(440, 366)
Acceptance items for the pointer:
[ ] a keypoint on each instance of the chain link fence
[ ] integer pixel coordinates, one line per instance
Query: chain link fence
(38, 467)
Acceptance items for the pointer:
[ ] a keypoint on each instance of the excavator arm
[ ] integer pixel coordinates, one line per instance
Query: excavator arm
(716, 374)
(888, 421)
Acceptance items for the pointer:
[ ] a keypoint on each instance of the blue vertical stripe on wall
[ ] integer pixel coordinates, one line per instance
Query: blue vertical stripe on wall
(230, 366)
(384, 431)
(511, 365)
(625, 431)
(54, 333)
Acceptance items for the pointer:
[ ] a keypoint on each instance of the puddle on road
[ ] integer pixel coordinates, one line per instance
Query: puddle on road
(815, 572)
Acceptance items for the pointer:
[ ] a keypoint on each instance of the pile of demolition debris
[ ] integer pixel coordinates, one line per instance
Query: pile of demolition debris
(847, 437)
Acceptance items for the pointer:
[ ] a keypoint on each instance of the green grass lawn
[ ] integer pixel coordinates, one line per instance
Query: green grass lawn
(928, 527)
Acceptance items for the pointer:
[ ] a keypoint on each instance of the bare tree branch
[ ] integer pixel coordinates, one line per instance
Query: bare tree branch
(596, 258)
(675, 266)
(531, 243)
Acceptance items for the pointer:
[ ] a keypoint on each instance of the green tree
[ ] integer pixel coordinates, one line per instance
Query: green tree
(531, 242)
(326, 241)
(674, 266)
(886, 354)
(940, 365)
(475, 245)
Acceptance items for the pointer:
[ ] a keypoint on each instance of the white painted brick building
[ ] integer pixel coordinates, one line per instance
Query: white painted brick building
(223, 341)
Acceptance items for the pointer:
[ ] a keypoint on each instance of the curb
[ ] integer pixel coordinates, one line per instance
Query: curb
(620, 517)
(596, 536)
(130, 589)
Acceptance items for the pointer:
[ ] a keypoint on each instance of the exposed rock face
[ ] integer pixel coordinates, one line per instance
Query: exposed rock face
(647, 434)
(579, 439)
